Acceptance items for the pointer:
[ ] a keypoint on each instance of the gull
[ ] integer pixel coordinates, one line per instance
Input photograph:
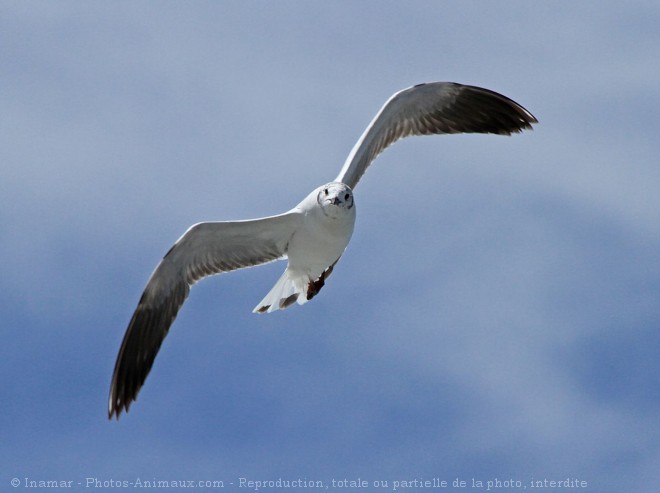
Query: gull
(312, 236)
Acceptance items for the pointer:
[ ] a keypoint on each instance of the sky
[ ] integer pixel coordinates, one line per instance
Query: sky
(494, 318)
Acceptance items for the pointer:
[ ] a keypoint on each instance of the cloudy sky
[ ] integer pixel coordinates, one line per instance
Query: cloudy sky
(496, 314)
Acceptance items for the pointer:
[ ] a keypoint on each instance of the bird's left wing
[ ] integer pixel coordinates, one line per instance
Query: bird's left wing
(205, 249)
(434, 108)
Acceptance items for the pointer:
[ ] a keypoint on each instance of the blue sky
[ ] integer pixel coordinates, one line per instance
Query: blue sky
(496, 314)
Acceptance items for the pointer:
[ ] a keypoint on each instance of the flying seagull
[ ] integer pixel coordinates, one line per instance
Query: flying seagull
(312, 235)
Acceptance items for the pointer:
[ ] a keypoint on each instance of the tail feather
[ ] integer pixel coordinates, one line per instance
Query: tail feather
(290, 288)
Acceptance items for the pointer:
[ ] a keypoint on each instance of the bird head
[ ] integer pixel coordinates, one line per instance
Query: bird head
(335, 199)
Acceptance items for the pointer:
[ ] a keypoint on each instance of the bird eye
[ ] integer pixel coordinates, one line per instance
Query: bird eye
(326, 191)
(346, 196)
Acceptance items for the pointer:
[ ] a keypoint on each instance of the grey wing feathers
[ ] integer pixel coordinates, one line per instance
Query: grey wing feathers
(205, 249)
(434, 108)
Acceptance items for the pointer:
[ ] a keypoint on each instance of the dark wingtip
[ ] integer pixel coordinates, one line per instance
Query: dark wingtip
(117, 404)
(142, 340)
(116, 407)
(504, 116)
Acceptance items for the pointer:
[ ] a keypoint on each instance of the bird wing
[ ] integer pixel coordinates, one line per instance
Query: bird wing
(434, 108)
(205, 249)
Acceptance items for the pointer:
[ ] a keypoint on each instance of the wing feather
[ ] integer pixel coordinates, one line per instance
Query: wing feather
(205, 249)
(434, 108)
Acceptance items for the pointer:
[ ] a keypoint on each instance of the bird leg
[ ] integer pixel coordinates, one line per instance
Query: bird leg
(314, 287)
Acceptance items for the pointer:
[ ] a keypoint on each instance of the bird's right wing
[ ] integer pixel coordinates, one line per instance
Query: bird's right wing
(205, 249)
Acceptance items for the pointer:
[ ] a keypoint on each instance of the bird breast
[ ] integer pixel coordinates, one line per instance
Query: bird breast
(320, 241)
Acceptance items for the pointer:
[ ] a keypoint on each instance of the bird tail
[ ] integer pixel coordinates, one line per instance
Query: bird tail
(290, 288)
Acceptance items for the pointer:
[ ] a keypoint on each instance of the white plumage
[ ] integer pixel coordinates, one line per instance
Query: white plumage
(312, 236)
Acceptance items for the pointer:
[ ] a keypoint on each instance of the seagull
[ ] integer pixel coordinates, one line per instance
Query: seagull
(312, 236)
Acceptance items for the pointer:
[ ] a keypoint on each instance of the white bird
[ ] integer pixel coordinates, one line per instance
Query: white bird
(312, 235)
